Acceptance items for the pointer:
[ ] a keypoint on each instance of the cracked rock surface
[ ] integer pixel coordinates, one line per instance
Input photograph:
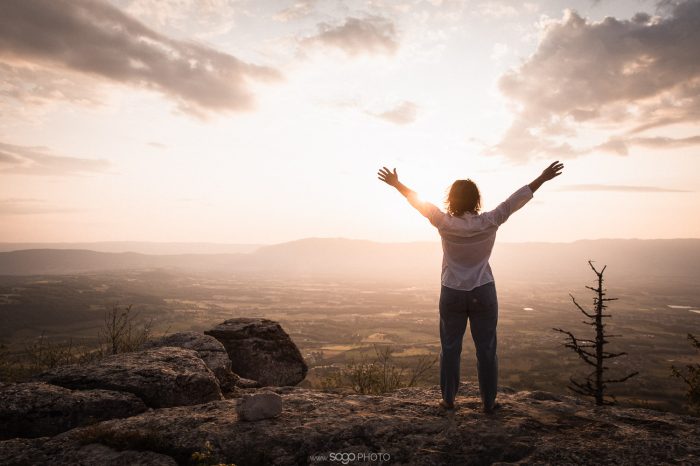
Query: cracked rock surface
(406, 427)
(161, 377)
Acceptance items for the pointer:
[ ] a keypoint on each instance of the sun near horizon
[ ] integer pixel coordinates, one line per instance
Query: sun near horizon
(263, 122)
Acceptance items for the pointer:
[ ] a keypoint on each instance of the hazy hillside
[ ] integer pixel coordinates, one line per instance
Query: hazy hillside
(335, 258)
(69, 261)
(660, 260)
(138, 247)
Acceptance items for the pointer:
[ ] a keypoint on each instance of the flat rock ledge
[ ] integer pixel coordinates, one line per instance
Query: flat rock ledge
(405, 427)
(30, 452)
(161, 377)
(259, 349)
(37, 409)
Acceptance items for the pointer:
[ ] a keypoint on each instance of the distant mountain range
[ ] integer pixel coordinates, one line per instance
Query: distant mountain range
(142, 247)
(337, 258)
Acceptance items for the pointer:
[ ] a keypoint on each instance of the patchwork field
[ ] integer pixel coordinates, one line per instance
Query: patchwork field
(335, 322)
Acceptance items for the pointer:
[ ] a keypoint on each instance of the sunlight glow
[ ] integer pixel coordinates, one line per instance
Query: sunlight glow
(300, 160)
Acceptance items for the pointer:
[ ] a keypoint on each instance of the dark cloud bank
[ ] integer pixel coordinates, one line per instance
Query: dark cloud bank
(97, 39)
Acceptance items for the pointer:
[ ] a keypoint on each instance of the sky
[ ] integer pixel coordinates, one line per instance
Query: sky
(255, 121)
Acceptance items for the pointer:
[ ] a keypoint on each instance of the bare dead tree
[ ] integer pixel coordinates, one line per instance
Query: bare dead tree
(592, 352)
(119, 332)
(690, 374)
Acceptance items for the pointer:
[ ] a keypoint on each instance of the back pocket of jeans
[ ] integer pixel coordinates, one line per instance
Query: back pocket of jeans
(449, 298)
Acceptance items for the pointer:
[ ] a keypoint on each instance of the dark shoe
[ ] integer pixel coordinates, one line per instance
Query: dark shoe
(493, 409)
(447, 406)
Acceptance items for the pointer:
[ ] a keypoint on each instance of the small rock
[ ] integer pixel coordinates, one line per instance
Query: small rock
(209, 349)
(257, 406)
(261, 350)
(161, 377)
(37, 409)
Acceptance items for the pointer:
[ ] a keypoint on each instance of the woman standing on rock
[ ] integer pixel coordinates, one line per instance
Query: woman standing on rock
(468, 291)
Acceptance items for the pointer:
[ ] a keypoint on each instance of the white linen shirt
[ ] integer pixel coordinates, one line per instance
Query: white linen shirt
(467, 240)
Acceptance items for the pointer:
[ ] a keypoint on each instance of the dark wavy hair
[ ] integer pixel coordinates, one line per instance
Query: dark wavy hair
(463, 197)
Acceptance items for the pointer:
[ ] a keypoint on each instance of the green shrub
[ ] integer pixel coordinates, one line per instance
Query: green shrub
(379, 375)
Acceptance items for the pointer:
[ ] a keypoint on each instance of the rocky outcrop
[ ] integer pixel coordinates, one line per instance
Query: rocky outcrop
(161, 377)
(37, 409)
(68, 452)
(208, 348)
(261, 350)
(405, 427)
(257, 406)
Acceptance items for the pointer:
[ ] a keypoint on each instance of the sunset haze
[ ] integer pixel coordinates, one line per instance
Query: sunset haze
(258, 122)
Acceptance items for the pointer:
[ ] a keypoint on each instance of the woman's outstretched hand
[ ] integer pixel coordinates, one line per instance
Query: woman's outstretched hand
(552, 170)
(389, 177)
(392, 179)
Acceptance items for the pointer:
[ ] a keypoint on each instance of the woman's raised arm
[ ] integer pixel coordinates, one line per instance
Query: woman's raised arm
(428, 210)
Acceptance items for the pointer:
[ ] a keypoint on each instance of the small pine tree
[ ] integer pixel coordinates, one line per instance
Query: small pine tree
(691, 376)
(593, 352)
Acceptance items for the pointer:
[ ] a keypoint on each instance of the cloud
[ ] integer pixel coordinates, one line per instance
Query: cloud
(299, 9)
(636, 75)
(97, 39)
(202, 17)
(496, 9)
(356, 36)
(19, 206)
(26, 160)
(35, 85)
(621, 145)
(620, 188)
(403, 114)
(499, 51)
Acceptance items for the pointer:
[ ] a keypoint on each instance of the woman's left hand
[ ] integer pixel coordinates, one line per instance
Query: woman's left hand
(389, 177)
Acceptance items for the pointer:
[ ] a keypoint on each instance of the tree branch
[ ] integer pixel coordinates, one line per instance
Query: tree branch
(622, 379)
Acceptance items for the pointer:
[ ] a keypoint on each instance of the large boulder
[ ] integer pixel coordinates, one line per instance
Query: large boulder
(37, 409)
(161, 377)
(208, 348)
(260, 350)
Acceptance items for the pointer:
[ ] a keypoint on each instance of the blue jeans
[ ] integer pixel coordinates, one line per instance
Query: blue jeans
(480, 306)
